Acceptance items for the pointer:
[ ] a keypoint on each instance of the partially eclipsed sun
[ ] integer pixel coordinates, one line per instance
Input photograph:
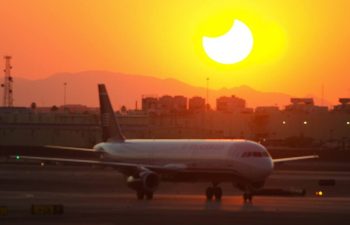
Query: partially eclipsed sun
(232, 47)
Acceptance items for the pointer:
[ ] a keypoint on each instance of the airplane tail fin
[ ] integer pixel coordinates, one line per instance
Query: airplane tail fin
(110, 127)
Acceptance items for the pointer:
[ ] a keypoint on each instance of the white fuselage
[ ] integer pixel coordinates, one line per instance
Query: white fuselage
(250, 159)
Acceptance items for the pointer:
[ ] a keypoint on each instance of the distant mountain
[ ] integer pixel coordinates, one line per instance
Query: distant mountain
(125, 90)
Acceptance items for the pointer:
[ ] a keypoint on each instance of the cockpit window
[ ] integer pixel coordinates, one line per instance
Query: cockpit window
(257, 154)
(254, 154)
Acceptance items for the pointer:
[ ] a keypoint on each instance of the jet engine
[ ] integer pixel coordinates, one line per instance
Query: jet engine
(147, 181)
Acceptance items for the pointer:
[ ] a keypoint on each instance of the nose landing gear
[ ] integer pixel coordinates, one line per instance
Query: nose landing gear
(247, 197)
(142, 194)
(212, 192)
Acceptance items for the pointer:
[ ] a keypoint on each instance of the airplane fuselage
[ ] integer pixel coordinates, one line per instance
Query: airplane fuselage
(247, 159)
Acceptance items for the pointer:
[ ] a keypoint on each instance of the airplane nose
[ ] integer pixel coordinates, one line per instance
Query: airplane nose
(266, 167)
(268, 163)
(271, 165)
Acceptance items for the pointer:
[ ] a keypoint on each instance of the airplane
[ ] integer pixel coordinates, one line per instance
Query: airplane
(147, 162)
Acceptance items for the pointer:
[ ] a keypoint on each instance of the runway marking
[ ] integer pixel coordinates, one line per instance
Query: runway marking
(15, 195)
(103, 201)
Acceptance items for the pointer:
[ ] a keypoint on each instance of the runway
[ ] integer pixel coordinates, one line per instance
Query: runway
(99, 196)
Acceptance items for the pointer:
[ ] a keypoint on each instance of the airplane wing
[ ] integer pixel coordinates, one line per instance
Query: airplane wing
(126, 168)
(294, 158)
(132, 168)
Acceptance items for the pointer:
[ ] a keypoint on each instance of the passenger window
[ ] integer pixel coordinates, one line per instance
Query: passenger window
(254, 154)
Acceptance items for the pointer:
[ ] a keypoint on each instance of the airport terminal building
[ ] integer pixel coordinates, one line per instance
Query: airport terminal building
(299, 124)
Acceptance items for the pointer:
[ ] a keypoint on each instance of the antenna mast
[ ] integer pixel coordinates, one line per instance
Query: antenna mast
(8, 82)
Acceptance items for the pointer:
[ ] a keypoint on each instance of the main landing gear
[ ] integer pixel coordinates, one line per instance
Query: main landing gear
(214, 191)
(144, 194)
(247, 197)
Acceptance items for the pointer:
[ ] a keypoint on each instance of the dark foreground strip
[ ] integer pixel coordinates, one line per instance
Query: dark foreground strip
(326, 182)
(47, 209)
(3, 210)
(280, 192)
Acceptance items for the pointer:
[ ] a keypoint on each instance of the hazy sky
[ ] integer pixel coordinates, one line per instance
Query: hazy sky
(299, 45)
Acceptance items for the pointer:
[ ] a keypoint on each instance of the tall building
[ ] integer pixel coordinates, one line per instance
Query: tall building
(344, 106)
(230, 104)
(196, 104)
(166, 104)
(180, 103)
(304, 105)
(149, 104)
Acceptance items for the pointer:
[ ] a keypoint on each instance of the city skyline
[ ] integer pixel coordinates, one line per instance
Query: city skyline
(62, 89)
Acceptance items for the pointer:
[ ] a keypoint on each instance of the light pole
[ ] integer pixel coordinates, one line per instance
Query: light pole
(64, 95)
(207, 105)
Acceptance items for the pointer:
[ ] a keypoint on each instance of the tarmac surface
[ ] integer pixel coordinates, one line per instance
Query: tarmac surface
(100, 196)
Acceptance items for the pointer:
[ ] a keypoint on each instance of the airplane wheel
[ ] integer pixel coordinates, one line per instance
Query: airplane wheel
(209, 193)
(149, 195)
(247, 197)
(218, 193)
(140, 195)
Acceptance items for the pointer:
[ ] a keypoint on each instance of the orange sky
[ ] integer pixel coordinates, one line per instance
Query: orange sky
(298, 45)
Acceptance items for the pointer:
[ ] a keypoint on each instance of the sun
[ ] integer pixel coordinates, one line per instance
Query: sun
(232, 47)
